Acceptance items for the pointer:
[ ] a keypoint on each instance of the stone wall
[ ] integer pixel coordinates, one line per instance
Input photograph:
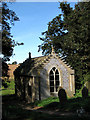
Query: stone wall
(11, 70)
(64, 77)
(39, 80)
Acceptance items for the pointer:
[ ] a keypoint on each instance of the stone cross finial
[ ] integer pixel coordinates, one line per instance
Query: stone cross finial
(53, 52)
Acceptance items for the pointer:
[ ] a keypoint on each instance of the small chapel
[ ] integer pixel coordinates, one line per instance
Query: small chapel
(41, 77)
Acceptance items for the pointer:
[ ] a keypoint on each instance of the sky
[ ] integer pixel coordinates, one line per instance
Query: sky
(34, 17)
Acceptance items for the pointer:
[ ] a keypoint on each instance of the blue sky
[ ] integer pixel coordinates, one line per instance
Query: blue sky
(34, 17)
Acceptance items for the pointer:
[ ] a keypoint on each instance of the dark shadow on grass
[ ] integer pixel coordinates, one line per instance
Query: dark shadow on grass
(13, 109)
(71, 105)
(50, 106)
(8, 98)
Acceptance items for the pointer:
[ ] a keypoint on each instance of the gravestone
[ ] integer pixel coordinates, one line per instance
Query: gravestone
(62, 96)
(84, 92)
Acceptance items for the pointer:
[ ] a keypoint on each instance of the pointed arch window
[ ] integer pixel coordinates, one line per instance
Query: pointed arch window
(54, 79)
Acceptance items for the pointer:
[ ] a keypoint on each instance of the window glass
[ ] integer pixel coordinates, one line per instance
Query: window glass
(57, 72)
(52, 89)
(51, 73)
(54, 80)
(52, 83)
(51, 77)
(53, 68)
(56, 77)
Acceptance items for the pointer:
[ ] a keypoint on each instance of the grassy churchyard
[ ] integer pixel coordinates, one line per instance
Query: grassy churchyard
(8, 89)
(48, 109)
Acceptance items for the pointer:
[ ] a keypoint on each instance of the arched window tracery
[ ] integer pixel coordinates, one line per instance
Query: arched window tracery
(54, 80)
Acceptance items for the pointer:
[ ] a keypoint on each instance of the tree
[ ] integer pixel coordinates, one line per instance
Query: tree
(8, 44)
(70, 38)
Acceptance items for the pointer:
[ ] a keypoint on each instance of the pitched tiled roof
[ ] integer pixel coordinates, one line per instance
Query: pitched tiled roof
(29, 65)
(34, 64)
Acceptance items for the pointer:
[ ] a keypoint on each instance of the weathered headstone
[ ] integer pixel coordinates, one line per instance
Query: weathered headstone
(62, 96)
(84, 92)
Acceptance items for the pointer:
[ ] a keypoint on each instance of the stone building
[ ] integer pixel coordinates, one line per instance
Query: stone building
(40, 77)
(12, 68)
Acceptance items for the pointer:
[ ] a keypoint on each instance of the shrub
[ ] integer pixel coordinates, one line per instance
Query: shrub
(4, 84)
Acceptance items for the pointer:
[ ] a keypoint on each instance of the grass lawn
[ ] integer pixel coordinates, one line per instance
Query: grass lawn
(14, 109)
(9, 90)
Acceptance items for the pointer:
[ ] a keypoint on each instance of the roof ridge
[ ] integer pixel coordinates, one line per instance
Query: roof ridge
(37, 57)
(39, 63)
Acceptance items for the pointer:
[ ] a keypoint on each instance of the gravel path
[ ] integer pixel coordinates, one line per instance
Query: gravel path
(51, 112)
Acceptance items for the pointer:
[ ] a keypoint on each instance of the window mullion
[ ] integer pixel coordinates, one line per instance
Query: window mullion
(54, 80)
(54, 83)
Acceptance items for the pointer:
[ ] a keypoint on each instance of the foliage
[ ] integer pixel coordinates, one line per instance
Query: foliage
(5, 69)
(8, 44)
(70, 38)
(4, 84)
(8, 18)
